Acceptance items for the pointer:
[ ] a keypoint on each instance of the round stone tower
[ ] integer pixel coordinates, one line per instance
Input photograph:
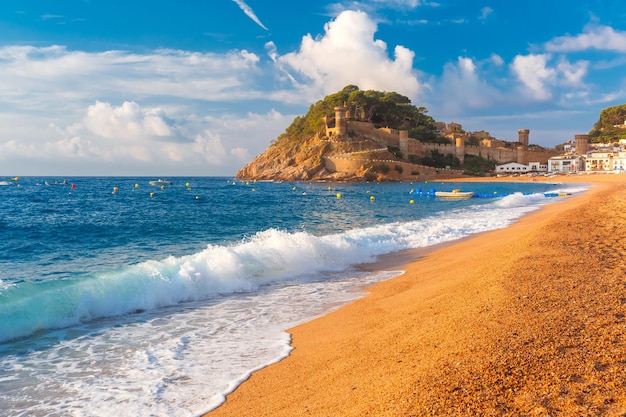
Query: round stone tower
(523, 135)
(581, 143)
(460, 148)
(341, 128)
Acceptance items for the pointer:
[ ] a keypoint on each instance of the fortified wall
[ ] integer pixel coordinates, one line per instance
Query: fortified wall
(346, 128)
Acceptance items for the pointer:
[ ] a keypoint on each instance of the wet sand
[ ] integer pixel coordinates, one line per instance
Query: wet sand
(528, 320)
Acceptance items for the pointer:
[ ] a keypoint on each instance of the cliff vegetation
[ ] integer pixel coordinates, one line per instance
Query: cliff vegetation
(611, 126)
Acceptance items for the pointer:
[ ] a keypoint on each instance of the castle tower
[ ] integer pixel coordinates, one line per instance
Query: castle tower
(404, 143)
(581, 142)
(523, 135)
(521, 154)
(460, 148)
(341, 127)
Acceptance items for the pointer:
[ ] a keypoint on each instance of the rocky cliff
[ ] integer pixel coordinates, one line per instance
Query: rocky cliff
(304, 160)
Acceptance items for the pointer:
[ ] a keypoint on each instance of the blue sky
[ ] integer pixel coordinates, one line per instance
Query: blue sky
(163, 88)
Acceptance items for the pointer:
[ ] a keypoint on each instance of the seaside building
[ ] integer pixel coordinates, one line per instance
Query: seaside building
(512, 168)
(600, 161)
(619, 162)
(566, 164)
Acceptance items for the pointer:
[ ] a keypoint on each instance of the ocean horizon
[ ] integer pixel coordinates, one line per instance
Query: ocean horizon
(119, 297)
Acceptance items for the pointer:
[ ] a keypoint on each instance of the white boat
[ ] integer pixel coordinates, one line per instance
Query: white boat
(160, 182)
(454, 194)
(52, 184)
(5, 183)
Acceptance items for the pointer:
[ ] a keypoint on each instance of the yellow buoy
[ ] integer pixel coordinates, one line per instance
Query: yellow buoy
(115, 189)
(136, 185)
(411, 201)
(163, 187)
(186, 184)
(294, 188)
(328, 188)
(372, 198)
(338, 195)
(253, 189)
(16, 178)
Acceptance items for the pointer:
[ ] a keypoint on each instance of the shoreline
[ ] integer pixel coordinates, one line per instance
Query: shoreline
(466, 328)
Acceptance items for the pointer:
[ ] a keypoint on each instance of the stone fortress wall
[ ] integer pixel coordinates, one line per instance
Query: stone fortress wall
(489, 148)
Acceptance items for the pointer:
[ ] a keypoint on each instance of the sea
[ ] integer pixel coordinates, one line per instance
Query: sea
(122, 298)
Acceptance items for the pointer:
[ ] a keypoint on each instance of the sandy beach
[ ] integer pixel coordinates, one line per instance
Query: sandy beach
(528, 320)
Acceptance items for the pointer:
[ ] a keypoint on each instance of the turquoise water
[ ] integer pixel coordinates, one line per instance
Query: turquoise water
(118, 295)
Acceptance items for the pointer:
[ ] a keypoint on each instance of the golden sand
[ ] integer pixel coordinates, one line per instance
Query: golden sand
(528, 320)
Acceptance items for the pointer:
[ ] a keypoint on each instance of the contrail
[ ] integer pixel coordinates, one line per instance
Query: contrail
(249, 12)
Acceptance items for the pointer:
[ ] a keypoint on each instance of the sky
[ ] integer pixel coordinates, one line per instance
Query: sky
(199, 88)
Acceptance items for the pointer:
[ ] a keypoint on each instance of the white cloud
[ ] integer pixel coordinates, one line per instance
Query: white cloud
(464, 82)
(40, 78)
(348, 54)
(602, 38)
(572, 74)
(128, 121)
(497, 60)
(534, 74)
(485, 12)
(249, 12)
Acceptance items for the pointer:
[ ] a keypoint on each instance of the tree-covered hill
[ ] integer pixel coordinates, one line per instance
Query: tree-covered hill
(610, 127)
(298, 153)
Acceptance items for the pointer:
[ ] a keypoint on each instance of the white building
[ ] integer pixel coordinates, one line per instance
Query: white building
(565, 164)
(512, 168)
(599, 161)
(537, 167)
(619, 162)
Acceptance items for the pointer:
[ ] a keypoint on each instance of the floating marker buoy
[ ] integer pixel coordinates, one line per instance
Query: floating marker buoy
(338, 195)
(186, 184)
(247, 182)
(136, 185)
(253, 190)
(411, 201)
(294, 188)
(163, 187)
(372, 198)
(115, 188)
(304, 193)
(197, 197)
(367, 192)
(151, 194)
(188, 188)
(328, 188)
(73, 186)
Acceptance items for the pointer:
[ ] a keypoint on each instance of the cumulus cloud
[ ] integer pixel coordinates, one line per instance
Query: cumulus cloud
(348, 53)
(128, 121)
(593, 37)
(464, 81)
(534, 73)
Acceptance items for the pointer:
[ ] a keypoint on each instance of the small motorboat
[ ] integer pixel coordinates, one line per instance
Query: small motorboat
(454, 194)
(56, 183)
(3, 183)
(160, 182)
